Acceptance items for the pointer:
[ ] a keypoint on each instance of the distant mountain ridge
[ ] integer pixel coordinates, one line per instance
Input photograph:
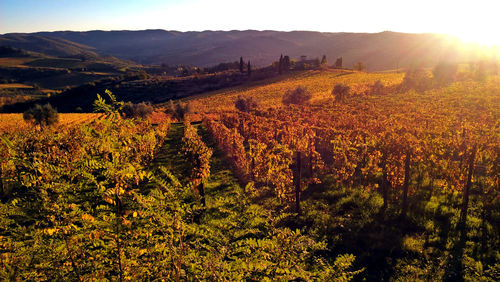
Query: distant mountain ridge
(379, 51)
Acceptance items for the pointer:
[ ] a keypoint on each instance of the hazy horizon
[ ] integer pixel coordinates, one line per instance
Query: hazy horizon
(444, 17)
(228, 30)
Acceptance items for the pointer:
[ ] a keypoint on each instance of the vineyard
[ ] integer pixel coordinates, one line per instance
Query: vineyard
(382, 183)
(269, 93)
(119, 199)
(416, 158)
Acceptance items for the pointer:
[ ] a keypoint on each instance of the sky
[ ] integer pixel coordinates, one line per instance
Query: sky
(473, 21)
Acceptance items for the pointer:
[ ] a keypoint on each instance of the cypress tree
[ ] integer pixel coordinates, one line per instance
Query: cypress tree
(249, 68)
(286, 63)
(280, 65)
(242, 65)
(338, 63)
(324, 61)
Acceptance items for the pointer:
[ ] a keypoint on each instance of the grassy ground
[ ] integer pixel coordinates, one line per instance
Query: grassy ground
(221, 183)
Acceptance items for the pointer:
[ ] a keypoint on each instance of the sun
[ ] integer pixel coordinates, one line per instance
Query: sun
(480, 37)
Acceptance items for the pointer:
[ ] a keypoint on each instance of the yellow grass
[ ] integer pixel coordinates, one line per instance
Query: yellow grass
(15, 85)
(97, 73)
(15, 122)
(23, 86)
(14, 62)
(320, 83)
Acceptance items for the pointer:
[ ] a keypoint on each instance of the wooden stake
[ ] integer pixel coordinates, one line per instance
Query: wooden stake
(297, 179)
(406, 183)
(465, 201)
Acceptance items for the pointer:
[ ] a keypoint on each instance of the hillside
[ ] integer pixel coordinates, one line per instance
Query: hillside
(130, 88)
(27, 75)
(407, 181)
(385, 184)
(49, 45)
(269, 93)
(379, 51)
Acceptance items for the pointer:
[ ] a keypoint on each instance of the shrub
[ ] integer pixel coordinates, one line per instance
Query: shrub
(178, 110)
(324, 61)
(299, 96)
(377, 88)
(341, 91)
(338, 63)
(479, 71)
(141, 110)
(136, 75)
(416, 79)
(359, 66)
(445, 72)
(246, 104)
(43, 116)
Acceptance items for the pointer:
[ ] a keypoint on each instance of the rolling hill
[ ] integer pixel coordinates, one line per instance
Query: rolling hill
(27, 75)
(379, 51)
(46, 44)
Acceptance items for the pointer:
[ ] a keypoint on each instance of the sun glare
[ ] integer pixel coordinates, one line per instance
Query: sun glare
(480, 37)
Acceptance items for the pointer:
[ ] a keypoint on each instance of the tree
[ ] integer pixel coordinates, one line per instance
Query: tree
(42, 116)
(136, 75)
(280, 65)
(340, 91)
(317, 62)
(359, 66)
(298, 96)
(445, 72)
(417, 79)
(246, 104)
(249, 68)
(178, 110)
(286, 63)
(324, 61)
(480, 72)
(338, 63)
(242, 64)
(377, 88)
(141, 110)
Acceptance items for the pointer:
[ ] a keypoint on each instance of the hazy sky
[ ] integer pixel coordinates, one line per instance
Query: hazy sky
(475, 20)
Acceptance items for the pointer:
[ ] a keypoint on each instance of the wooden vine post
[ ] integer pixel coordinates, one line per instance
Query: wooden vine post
(297, 181)
(384, 184)
(465, 201)
(406, 183)
(118, 214)
(311, 161)
(1, 183)
(252, 169)
(201, 190)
